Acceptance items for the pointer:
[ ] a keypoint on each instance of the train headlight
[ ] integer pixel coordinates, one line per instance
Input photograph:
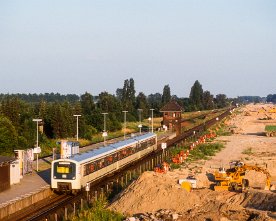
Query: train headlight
(74, 178)
(55, 177)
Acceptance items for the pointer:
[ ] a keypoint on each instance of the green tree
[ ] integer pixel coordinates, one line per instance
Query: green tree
(10, 107)
(87, 104)
(8, 136)
(142, 103)
(109, 104)
(166, 97)
(208, 100)
(155, 102)
(127, 95)
(221, 101)
(196, 96)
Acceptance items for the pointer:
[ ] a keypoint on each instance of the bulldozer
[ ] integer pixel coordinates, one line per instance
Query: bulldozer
(233, 179)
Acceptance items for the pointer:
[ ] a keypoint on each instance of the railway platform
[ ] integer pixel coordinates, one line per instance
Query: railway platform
(30, 183)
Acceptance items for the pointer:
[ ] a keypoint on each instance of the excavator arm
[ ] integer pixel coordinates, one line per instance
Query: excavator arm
(245, 168)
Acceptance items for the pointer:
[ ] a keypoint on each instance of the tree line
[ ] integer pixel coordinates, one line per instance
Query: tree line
(17, 111)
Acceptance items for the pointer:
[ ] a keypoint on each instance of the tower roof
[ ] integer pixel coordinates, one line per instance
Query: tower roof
(172, 106)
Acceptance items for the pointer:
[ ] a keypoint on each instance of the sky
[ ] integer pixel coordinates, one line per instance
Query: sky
(69, 46)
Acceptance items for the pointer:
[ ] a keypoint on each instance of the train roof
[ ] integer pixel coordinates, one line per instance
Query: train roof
(92, 154)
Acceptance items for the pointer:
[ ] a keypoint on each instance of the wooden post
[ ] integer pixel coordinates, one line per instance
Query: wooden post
(126, 179)
(56, 217)
(74, 211)
(96, 195)
(81, 203)
(102, 192)
(65, 213)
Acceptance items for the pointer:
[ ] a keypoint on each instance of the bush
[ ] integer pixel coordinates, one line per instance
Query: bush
(248, 151)
(203, 151)
(270, 128)
(98, 212)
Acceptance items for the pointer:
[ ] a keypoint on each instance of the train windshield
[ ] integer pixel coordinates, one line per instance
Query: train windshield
(64, 170)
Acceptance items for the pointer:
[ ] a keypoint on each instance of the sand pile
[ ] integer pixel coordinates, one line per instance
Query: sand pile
(153, 192)
(260, 200)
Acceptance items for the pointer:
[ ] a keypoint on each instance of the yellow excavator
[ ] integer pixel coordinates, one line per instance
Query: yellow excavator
(233, 179)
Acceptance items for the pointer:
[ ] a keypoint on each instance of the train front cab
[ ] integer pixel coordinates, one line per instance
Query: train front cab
(65, 176)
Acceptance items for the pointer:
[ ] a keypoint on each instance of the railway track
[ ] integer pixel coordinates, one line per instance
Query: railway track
(58, 207)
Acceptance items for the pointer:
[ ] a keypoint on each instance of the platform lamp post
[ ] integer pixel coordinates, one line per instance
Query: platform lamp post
(140, 125)
(124, 123)
(152, 120)
(77, 115)
(104, 130)
(37, 151)
(149, 122)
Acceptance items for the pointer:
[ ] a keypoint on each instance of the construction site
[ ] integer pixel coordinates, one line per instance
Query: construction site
(236, 183)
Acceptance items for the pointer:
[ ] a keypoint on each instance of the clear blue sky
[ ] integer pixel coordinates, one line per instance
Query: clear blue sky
(76, 46)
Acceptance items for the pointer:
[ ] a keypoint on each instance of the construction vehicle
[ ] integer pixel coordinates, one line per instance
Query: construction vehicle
(189, 183)
(233, 179)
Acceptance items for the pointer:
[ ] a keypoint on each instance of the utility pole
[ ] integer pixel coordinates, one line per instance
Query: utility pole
(152, 120)
(77, 115)
(37, 120)
(125, 124)
(104, 130)
(140, 125)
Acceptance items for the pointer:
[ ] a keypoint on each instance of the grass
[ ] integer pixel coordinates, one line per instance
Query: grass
(248, 151)
(204, 151)
(98, 212)
(270, 128)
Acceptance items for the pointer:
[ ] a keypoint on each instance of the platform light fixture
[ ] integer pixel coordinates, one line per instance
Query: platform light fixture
(124, 123)
(37, 151)
(140, 125)
(104, 130)
(152, 120)
(77, 115)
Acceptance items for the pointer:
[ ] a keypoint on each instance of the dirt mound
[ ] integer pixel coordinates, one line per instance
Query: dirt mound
(261, 200)
(152, 192)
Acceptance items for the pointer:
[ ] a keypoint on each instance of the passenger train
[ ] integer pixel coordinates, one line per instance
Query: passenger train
(75, 173)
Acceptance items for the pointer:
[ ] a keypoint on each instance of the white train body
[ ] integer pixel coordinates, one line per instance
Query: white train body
(73, 174)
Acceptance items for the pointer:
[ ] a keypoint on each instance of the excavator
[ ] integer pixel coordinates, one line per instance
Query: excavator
(233, 179)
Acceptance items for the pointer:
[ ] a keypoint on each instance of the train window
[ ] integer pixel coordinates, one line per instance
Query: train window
(101, 163)
(115, 157)
(91, 168)
(64, 169)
